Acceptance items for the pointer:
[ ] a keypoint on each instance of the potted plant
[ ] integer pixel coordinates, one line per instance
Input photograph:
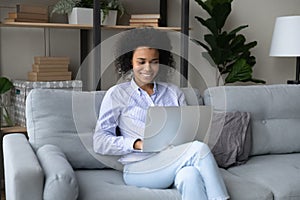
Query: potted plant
(5, 86)
(228, 49)
(81, 12)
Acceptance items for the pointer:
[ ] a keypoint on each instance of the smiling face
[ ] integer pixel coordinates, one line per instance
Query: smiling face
(145, 63)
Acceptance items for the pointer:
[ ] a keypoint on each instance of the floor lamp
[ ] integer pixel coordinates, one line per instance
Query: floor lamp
(286, 41)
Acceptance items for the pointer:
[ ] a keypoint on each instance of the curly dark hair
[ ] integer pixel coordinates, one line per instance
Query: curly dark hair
(142, 37)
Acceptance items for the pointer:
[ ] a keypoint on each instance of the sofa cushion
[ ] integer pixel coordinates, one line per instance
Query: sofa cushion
(98, 184)
(274, 109)
(67, 120)
(108, 184)
(229, 138)
(279, 173)
(60, 180)
(241, 189)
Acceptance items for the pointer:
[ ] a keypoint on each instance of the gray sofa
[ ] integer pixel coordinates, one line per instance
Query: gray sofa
(58, 162)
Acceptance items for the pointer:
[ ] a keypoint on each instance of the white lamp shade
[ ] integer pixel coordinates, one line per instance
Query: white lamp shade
(286, 37)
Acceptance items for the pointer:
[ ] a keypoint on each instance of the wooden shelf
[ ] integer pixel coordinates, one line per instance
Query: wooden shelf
(13, 129)
(132, 27)
(45, 25)
(73, 26)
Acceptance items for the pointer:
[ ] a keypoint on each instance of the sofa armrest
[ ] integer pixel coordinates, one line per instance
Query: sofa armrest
(60, 178)
(24, 177)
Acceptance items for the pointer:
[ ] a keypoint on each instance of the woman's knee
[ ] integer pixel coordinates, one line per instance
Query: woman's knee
(202, 148)
(188, 175)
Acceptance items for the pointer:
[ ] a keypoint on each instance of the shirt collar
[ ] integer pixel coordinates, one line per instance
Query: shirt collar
(135, 87)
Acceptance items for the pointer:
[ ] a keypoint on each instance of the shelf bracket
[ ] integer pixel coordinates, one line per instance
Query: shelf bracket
(47, 49)
(163, 8)
(96, 81)
(185, 6)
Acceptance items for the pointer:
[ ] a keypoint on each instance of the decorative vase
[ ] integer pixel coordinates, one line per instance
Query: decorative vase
(85, 16)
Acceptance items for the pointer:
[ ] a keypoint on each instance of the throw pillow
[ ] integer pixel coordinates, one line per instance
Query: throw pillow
(60, 180)
(229, 138)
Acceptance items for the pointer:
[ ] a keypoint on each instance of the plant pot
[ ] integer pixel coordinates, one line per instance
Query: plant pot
(110, 19)
(85, 16)
(81, 16)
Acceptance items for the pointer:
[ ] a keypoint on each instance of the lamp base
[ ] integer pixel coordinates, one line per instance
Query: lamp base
(293, 82)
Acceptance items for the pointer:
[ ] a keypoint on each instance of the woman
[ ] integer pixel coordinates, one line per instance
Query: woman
(119, 130)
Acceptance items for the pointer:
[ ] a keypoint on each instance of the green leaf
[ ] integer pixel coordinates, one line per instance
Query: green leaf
(64, 6)
(245, 47)
(223, 40)
(210, 24)
(201, 44)
(251, 60)
(250, 45)
(7, 117)
(5, 85)
(213, 3)
(204, 6)
(211, 40)
(220, 13)
(241, 71)
(237, 42)
(85, 3)
(257, 80)
(234, 31)
(215, 52)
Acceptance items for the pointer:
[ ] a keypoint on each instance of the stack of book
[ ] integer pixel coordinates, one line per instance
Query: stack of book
(47, 68)
(144, 20)
(28, 13)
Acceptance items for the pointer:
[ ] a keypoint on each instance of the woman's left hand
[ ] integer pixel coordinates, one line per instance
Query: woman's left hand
(138, 144)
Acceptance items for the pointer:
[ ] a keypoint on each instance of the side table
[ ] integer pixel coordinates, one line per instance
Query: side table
(4, 131)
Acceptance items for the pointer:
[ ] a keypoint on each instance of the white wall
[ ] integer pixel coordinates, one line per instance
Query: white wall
(19, 45)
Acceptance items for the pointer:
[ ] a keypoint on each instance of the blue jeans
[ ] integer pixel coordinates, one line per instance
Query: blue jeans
(191, 167)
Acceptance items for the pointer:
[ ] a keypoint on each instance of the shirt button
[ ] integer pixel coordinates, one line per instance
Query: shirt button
(264, 121)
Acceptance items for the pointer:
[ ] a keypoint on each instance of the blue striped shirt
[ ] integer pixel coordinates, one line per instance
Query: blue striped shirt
(125, 106)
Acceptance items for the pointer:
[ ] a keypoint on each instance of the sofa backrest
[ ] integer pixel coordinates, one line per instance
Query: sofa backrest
(274, 109)
(67, 119)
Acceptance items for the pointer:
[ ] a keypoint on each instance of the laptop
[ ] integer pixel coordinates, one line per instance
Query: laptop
(173, 125)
